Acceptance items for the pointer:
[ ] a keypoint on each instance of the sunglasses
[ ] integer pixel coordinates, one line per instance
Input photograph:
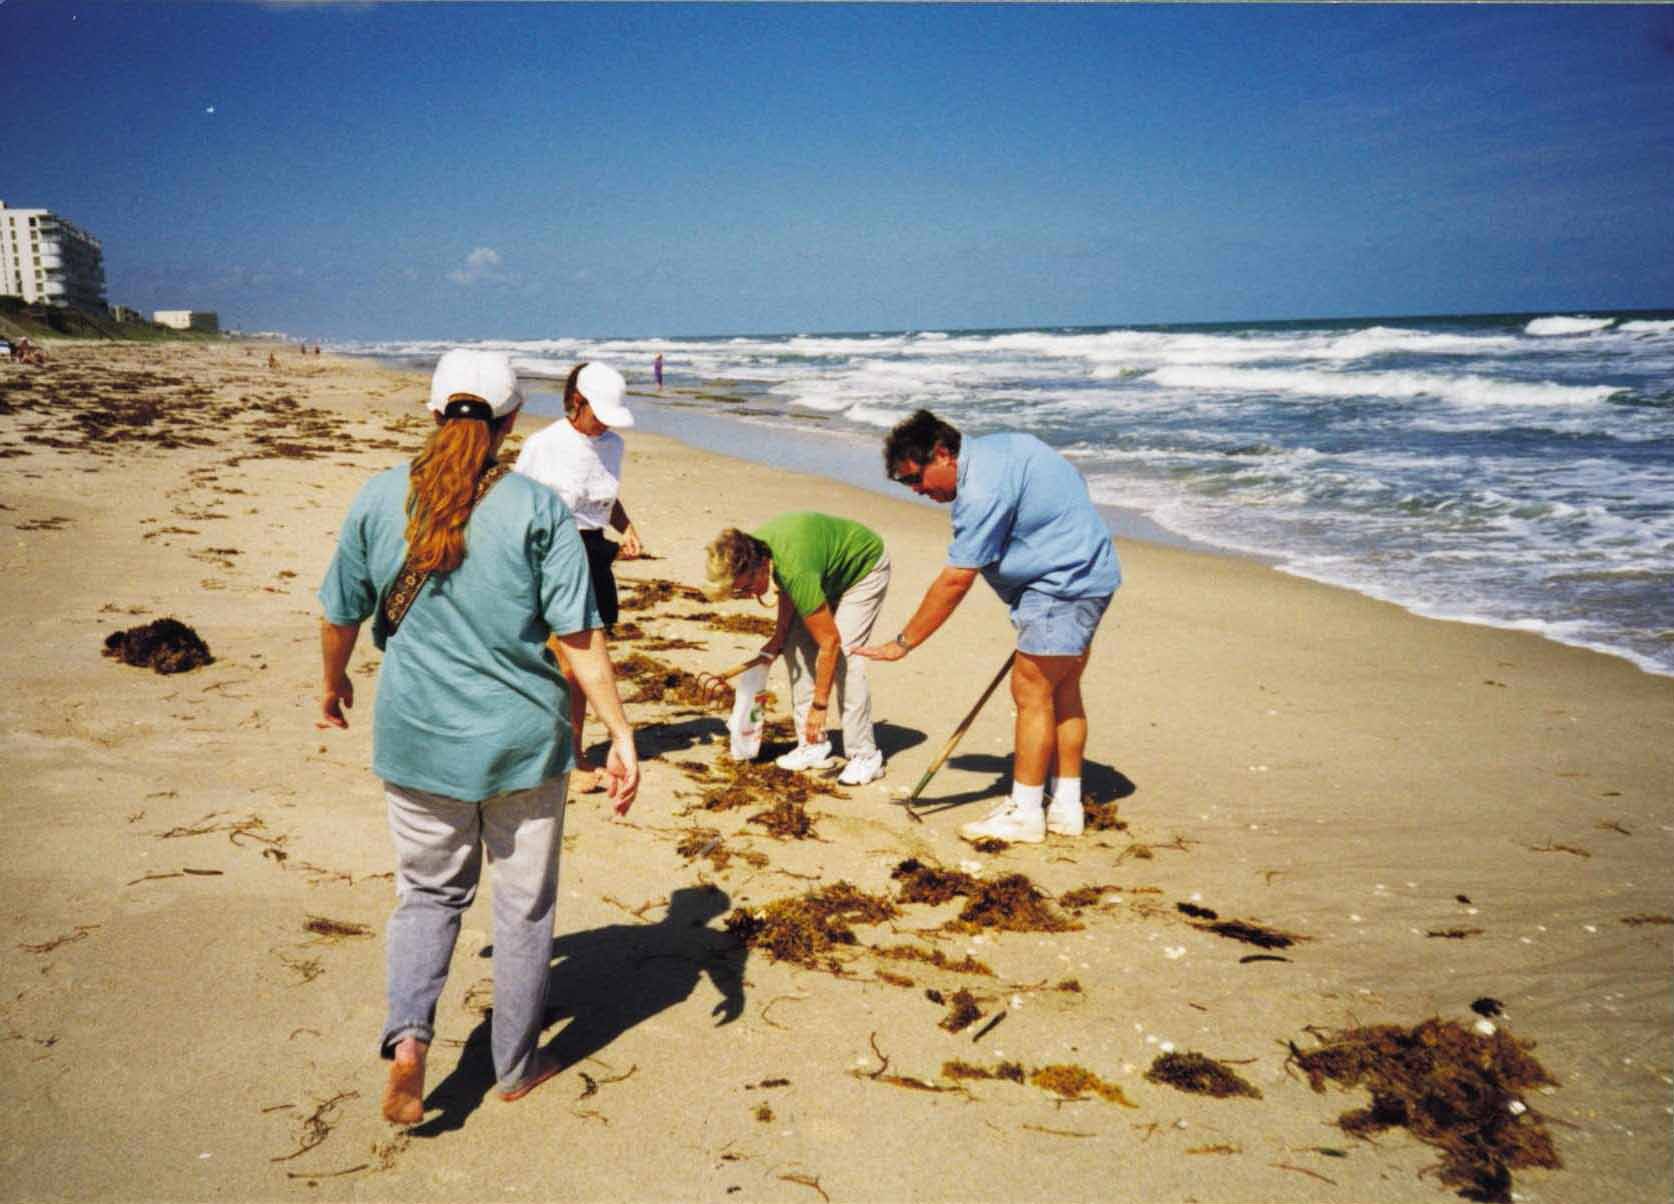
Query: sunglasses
(909, 479)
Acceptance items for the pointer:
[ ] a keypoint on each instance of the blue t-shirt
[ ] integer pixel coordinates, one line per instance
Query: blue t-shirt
(1022, 515)
(470, 703)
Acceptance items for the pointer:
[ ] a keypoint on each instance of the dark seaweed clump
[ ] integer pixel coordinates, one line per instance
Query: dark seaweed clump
(166, 645)
(962, 1012)
(1451, 1088)
(806, 929)
(1011, 903)
(1199, 1075)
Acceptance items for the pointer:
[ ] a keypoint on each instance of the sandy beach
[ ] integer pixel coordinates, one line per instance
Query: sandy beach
(1399, 817)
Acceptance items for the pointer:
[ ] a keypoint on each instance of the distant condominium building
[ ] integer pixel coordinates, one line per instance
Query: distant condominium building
(188, 319)
(45, 259)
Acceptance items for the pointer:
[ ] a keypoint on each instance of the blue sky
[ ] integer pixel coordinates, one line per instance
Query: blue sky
(528, 170)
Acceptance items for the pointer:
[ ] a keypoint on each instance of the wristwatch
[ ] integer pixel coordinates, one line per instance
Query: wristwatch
(901, 639)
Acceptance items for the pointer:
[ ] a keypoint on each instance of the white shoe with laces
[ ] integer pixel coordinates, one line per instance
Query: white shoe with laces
(868, 767)
(1009, 822)
(806, 756)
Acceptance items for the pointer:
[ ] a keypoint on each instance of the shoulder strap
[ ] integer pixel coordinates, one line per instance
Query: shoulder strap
(409, 581)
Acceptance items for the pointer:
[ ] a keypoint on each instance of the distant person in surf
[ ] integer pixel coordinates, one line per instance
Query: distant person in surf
(657, 369)
(1022, 518)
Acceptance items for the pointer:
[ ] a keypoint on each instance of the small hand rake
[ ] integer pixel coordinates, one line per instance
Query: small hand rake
(714, 685)
(958, 735)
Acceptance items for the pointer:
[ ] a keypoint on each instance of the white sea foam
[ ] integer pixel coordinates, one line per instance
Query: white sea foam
(1465, 389)
(1543, 327)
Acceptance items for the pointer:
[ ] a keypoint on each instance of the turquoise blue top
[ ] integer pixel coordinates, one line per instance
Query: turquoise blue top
(1022, 515)
(470, 703)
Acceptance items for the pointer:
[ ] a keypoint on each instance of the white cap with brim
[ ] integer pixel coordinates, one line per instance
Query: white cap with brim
(468, 374)
(603, 388)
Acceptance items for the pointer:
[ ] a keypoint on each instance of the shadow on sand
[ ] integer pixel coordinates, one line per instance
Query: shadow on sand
(1100, 783)
(606, 981)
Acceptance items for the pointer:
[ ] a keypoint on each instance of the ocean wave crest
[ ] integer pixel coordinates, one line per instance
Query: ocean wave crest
(1464, 390)
(1543, 327)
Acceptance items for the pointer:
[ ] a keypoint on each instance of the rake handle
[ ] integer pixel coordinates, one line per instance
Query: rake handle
(958, 735)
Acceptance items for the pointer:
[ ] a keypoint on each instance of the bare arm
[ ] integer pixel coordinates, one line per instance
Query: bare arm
(943, 597)
(623, 525)
(823, 627)
(588, 660)
(337, 644)
(781, 627)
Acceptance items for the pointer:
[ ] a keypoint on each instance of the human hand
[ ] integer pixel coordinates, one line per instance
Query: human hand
(631, 547)
(622, 768)
(880, 652)
(813, 729)
(337, 697)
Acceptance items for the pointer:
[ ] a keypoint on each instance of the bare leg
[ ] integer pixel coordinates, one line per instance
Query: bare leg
(585, 779)
(404, 1093)
(1051, 721)
(1071, 715)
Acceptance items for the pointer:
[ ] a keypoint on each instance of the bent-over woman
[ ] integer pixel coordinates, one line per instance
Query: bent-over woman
(581, 458)
(832, 574)
(466, 733)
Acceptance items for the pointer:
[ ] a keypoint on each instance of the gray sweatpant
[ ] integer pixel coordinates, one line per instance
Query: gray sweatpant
(439, 843)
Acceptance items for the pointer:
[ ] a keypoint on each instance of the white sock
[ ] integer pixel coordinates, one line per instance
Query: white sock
(1027, 798)
(1067, 793)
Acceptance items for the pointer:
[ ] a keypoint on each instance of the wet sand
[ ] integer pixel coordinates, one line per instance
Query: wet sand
(197, 877)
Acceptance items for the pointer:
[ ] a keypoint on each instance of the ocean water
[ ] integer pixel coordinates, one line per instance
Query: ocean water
(1509, 470)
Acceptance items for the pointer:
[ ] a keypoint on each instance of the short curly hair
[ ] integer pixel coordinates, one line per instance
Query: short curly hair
(917, 439)
(732, 554)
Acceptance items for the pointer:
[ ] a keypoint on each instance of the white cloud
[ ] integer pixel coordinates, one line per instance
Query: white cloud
(482, 266)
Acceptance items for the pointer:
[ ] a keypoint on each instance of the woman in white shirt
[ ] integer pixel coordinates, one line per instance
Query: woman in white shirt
(581, 459)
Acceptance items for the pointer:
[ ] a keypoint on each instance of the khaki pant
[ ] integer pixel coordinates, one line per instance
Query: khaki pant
(856, 612)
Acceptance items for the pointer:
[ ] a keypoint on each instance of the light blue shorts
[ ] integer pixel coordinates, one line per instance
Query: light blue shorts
(1048, 626)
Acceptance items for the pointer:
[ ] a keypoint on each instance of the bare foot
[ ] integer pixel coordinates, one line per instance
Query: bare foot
(404, 1093)
(586, 780)
(544, 1070)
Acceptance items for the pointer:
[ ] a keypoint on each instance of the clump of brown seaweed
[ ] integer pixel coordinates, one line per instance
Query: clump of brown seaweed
(962, 1012)
(787, 819)
(1199, 1075)
(1451, 1088)
(166, 645)
(804, 930)
(1011, 903)
(749, 783)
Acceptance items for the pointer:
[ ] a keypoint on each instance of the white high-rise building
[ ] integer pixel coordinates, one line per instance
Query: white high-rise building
(44, 258)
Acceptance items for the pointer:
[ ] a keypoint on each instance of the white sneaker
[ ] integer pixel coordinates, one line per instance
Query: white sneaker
(806, 756)
(868, 767)
(1065, 819)
(1009, 822)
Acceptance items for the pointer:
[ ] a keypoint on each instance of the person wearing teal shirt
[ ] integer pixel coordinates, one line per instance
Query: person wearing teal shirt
(832, 574)
(470, 732)
(1023, 520)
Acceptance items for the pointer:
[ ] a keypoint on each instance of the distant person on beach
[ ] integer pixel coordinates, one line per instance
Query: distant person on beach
(1023, 519)
(466, 734)
(581, 458)
(832, 574)
(657, 369)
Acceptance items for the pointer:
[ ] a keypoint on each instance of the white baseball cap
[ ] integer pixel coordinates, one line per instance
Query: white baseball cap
(603, 387)
(468, 374)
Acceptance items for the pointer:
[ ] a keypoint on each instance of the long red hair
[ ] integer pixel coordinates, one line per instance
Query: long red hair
(442, 487)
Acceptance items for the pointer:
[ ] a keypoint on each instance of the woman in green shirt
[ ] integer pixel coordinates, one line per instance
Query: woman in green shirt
(832, 574)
